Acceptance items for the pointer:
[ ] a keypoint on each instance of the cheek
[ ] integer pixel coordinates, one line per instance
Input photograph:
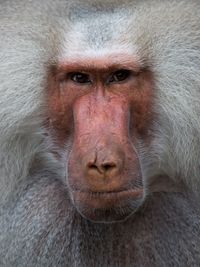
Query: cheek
(60, 102)
(141, 102)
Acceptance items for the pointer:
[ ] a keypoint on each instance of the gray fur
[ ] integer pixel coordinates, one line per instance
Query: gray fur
(38, 224)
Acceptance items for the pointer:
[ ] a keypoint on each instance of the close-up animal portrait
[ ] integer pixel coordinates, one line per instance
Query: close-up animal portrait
(99, 133)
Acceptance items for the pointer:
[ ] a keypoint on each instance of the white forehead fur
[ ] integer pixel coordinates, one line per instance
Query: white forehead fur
(75, 43)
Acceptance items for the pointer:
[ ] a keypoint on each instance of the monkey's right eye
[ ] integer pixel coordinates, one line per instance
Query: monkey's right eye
(79, 77)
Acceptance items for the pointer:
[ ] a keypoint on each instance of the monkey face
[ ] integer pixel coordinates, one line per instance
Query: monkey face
(105, 110)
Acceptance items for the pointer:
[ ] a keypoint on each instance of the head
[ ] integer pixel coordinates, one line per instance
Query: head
(112, 87)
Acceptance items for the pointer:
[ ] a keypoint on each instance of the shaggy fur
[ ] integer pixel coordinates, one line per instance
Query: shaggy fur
(38, 224)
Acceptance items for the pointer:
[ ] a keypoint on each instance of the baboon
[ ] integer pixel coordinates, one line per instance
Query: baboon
(100, 133)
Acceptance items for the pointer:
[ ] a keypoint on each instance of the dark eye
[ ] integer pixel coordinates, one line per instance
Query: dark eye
(119, 76)
(79, 77)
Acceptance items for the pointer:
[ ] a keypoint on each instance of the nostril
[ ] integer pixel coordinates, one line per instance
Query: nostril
(92, 166)
(108, 166)
(101, 168)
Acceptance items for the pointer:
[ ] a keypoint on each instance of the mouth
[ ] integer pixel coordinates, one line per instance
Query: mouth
(107, 206)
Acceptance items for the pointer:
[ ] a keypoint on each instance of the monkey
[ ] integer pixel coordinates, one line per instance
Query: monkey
(99, 133)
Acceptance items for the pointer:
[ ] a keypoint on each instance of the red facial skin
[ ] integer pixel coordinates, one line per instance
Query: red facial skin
(105, 120)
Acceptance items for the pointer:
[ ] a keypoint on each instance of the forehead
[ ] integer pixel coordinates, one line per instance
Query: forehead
(99, 33)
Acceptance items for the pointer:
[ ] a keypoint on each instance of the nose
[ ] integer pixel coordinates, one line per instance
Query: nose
(104, 163)
(104, 168)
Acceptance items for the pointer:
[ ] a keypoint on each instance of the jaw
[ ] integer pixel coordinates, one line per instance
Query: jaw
(108, 207)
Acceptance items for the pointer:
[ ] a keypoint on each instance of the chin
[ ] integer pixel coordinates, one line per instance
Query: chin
(107, 207)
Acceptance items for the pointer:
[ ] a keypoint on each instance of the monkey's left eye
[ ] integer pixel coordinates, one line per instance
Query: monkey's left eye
(79, 77)
(119, 76)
